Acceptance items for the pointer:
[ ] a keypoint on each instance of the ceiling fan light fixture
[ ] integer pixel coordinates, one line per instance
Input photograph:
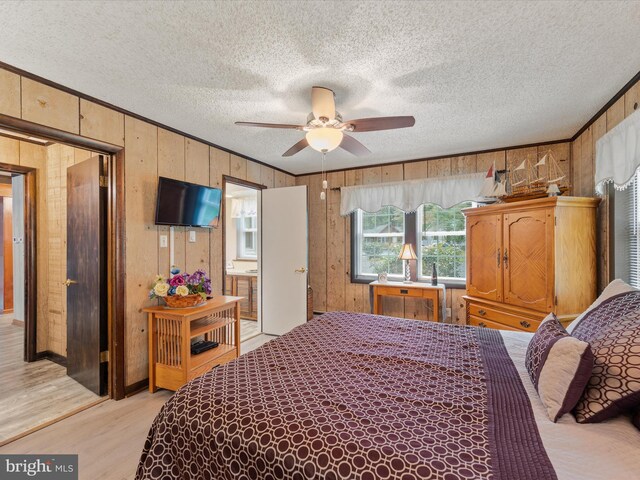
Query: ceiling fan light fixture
(324, 139)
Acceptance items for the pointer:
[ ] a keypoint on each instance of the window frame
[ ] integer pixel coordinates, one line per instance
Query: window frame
(448, 281)
(410, 236)
(241, 230)
(356, 277)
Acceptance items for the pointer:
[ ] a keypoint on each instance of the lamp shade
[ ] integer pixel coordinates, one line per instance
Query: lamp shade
(324, 139)
(553, 189)
(407, 252)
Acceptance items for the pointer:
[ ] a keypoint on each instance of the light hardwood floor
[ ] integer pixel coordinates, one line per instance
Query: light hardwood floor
(248, 329)
(33, 394)
(108, 437)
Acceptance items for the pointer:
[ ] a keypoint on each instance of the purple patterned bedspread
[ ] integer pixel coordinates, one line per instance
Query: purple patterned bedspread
(354, 396)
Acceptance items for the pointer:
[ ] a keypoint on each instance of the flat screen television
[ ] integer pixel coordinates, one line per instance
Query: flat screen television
(187, 204)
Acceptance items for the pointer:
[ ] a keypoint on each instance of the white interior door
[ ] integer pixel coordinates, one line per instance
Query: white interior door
(284, 259)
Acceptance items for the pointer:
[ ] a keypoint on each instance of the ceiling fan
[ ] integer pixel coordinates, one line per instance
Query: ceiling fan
(327, 131)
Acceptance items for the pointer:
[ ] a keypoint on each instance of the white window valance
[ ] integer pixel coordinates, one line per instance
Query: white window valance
(410, 195)
(244, 207)
(618, 154)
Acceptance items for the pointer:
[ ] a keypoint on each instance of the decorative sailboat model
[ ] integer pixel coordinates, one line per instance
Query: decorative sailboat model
(528, 180)
(492, 190)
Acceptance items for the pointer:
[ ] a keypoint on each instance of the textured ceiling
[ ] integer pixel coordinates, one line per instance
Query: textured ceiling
(476, 75)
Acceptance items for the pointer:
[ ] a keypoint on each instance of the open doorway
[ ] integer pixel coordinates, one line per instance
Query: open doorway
(242, 252)
(52, 329)
(10, 261)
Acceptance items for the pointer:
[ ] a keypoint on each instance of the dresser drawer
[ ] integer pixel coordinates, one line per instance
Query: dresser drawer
(400, 291)
(483, 322)
(518, 322)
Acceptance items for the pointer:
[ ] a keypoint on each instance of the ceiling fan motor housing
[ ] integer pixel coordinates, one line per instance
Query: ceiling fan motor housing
(325, 122)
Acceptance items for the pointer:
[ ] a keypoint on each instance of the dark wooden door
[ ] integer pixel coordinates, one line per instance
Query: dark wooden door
(86, 274)
(484, 256)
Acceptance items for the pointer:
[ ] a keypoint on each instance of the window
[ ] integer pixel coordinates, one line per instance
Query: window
(626, 227)
(438, 236)
(378, 238)
(247, 236)
(442, 236)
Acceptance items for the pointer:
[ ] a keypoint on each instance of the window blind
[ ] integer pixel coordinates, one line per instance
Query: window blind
(633, 204)
(627, 232)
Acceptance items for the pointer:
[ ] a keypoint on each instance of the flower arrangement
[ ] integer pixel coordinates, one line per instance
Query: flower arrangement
(182, 289)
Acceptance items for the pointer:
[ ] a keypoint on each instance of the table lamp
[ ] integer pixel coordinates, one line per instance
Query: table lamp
(553, 190)
(407, 253)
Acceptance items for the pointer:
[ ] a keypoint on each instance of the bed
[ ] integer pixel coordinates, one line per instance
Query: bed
(356, 396)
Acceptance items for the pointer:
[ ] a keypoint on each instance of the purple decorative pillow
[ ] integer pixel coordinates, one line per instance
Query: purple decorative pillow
(613, 331)
(559, 366)
(616, 287)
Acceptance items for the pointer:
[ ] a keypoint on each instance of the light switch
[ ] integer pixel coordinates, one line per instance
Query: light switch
(163, 241)
(192, 236)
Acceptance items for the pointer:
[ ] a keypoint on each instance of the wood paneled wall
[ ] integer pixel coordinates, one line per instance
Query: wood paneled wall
(583, 151)
(150, 151)
(330, 234)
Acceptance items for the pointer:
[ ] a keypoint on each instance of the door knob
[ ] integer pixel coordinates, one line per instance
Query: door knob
(68, 282)
(301, 270)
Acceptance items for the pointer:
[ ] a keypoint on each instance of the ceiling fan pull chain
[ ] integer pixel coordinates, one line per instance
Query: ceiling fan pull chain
(324, 178)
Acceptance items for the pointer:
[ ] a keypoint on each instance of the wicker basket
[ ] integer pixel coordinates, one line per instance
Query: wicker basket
(178, 301)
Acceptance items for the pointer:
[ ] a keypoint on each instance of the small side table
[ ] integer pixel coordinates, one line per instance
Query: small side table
(425, 291)
(171, 363)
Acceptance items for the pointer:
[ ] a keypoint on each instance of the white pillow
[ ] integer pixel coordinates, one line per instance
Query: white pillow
(616, 287)
(559, 366)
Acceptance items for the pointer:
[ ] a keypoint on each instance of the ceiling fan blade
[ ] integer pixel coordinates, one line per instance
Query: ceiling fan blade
(353, 146)
(381, 123)
(269, 125)
(323, 103)
(301, 145)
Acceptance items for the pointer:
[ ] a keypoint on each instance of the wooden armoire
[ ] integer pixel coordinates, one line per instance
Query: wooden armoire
(526, 259)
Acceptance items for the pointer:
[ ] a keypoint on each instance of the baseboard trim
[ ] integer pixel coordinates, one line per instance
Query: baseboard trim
(54, 357)
(136, 387)
(17, 323)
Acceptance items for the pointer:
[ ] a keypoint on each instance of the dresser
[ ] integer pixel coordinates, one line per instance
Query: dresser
(526, 259)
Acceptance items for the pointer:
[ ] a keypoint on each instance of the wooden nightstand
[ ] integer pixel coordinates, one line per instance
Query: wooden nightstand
(171, 363)
(425, 291)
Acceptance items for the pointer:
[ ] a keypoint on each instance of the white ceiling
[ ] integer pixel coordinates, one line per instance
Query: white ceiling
(476, 75)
